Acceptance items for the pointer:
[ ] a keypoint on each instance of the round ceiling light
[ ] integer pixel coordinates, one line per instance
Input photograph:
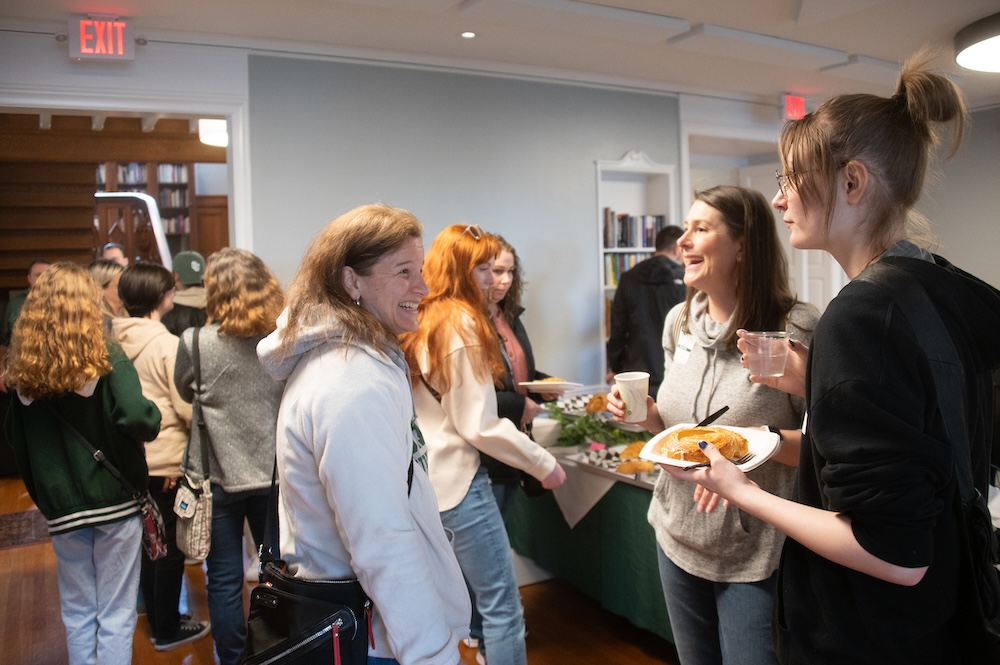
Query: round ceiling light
(977, 45)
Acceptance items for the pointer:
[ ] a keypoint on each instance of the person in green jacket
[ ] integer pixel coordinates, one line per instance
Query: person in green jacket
(61, 361)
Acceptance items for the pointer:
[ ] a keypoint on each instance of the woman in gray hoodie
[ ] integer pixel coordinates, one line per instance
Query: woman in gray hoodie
(719, 569)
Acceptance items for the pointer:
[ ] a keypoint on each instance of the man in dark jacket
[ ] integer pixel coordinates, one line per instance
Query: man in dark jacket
(644, 296)
(189, 303)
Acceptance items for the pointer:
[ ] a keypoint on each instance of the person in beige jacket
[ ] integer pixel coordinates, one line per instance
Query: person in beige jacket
(147, 292)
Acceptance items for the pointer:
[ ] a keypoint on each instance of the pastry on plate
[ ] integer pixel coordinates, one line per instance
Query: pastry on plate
(597, 403)
(631, 451)
(682, 444)
(636, 466)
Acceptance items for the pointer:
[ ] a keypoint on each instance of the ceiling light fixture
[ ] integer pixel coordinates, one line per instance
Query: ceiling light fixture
(468, 34)
(977, 45)
(213, 132)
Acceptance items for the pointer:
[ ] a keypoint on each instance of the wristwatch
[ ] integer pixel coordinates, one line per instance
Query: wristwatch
(777, 431)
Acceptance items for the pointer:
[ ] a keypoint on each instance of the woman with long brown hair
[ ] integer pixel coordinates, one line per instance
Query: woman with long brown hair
(239, 404)
(456, 363)
(719, 569)
(60, 360)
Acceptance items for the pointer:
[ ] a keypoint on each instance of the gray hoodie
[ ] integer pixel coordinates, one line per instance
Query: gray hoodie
(726, 545)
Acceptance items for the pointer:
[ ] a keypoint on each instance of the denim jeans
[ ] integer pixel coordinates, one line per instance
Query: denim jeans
(504, 494)
(716, 623)
(483, 551)
(225, 566)
(98, 575)
(161, 580)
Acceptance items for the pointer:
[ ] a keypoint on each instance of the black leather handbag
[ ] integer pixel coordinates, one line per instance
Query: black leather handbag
(300, 622)
(294, 621)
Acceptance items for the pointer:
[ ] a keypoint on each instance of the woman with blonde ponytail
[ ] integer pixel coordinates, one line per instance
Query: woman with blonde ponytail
(871, 568)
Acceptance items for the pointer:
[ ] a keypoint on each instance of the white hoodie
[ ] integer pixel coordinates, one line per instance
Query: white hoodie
(344, 446)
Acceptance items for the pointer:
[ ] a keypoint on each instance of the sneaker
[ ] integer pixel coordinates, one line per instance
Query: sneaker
(188, 632)
(471, 642)
(185, 618)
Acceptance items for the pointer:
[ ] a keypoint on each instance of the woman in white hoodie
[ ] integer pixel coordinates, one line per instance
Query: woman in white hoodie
(348, 439)
(147, 292)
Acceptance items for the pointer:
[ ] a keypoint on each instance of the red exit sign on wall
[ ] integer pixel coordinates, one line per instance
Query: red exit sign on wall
(99, 37)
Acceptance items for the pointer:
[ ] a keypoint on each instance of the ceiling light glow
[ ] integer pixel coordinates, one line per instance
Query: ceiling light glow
(977, 45)
(213, 132)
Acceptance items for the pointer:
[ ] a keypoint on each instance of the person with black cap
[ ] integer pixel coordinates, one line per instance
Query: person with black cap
(189, 303)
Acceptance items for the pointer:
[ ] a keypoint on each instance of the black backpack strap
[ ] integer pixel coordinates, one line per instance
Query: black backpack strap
(946, 365)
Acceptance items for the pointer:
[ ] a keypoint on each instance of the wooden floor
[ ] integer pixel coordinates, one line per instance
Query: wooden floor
(564, 625)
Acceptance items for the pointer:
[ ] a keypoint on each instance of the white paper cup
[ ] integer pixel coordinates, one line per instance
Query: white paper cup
(633, 387)
(767, 352)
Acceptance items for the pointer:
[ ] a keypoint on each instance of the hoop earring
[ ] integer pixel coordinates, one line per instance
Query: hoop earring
(357, 301)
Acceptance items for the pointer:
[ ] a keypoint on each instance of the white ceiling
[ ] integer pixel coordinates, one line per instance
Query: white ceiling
(740, 49)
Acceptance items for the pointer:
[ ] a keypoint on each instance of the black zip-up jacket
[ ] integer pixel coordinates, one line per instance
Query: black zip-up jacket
(644, 296)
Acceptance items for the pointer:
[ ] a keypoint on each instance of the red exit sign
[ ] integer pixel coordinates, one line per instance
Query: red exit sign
(100, 37)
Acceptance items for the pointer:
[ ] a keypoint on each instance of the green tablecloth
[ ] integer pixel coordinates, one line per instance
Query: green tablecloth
(610, 554)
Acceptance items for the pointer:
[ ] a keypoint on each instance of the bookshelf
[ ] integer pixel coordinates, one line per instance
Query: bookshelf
(636, 197)
(171, 186)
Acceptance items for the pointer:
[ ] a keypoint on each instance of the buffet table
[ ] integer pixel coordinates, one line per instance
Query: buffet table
(610, 551)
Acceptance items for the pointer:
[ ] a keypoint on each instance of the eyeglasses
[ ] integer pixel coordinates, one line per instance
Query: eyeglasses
(785, 180)
(473, 230)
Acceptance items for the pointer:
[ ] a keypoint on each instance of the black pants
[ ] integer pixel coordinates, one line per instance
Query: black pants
(161, 580)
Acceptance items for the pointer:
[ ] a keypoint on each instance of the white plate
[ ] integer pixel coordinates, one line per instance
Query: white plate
(762, 443)
(550, 387)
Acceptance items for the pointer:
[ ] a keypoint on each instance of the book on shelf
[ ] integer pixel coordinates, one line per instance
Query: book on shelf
(625, 230)
(172, 174)
(173, 198)
(178, 225)
(616, 264)
(133, 173)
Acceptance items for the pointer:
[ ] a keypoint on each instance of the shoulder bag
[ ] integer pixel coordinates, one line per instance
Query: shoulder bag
(294, 621)
(193, 502)
(154, 537)
(979, 582)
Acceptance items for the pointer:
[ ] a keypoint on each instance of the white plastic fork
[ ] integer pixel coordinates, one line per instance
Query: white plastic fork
(742, 460)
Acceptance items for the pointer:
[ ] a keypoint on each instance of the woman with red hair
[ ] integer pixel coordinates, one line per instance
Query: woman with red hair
(456, 363)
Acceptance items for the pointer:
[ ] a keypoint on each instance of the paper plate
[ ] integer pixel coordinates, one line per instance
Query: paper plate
(762, 443)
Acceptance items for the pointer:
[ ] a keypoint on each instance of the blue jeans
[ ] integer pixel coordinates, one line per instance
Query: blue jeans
(483, 551)
(98, 575)
(504, 495)
(225, 566)
(718, 622)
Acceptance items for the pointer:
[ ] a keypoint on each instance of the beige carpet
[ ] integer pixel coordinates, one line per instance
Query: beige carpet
(24, 528)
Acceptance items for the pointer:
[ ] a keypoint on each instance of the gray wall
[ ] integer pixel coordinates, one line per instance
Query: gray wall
(963, 200)
(516, 157)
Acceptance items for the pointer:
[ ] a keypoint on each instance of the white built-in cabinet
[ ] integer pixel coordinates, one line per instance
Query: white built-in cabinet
(635, 198)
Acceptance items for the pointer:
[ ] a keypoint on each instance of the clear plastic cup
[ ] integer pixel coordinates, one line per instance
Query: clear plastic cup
(766, 352)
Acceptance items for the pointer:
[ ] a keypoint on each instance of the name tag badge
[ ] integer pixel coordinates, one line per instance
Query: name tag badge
(685, 344)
